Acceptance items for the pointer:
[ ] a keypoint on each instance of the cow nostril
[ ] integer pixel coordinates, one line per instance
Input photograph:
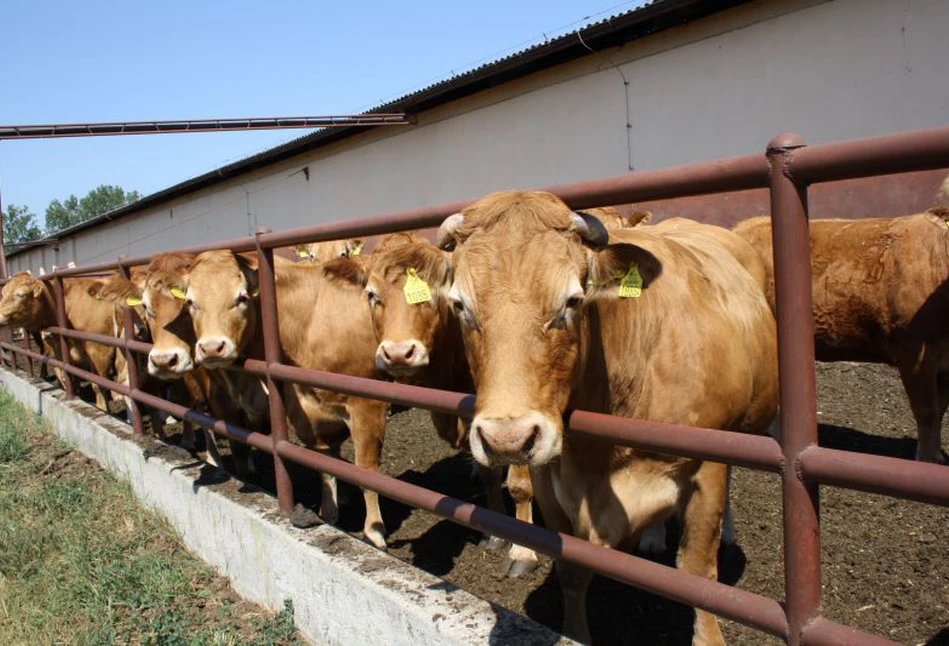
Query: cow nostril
(385, 355)
(220, 348)
(173, 361)
(408, 355)
(484, 443)
(529, 444)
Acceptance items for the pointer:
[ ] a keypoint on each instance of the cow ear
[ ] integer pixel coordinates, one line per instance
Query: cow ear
(621, 271)
(637, 218)
(38, 288)
(346, 271)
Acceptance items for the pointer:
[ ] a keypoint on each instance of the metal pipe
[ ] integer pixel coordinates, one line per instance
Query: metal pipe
(739, 449)
(694, 590)
(899, 153)
(270, 329)
(824, 632)
(131, 361)
(792, 271)
(104, 339)
(919, 481)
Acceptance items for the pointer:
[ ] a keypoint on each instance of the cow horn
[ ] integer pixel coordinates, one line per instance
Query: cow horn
(71, 265)
(30, 273)
(590, 229)
(445, 237)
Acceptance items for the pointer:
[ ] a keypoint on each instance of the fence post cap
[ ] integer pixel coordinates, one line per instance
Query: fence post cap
(785, 141)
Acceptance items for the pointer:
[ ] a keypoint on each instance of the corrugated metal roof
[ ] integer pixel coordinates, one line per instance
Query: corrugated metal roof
(646, 19)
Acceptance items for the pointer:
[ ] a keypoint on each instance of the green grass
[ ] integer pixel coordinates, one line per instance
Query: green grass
(81, 562)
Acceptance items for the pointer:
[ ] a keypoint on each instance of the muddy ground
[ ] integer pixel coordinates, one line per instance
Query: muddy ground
(885, 562)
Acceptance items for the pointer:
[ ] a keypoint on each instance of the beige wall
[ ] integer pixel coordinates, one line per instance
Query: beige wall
(718, 87)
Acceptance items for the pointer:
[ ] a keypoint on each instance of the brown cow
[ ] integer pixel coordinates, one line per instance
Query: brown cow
(879, 294)
(28, 302)
(324, 325)
(646, 327)
(320, 252)
(421, 342)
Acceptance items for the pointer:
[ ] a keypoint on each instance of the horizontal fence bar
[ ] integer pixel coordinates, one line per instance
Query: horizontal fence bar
(739, 449)
(899, 153)
(221, 427)
(727, 601)
(821, 631)
(104, 339)
(919, 481)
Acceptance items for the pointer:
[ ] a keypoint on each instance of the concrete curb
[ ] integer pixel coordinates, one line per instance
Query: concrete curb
(343, 591)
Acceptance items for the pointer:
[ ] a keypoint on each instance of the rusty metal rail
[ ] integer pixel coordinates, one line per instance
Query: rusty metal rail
(787, 168)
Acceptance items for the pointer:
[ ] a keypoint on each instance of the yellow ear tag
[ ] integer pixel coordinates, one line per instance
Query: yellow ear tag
(631, 284)
(255, 293)
(416, 290)
(303, 253)
(356, 250)
(178, 293)
(133, 301)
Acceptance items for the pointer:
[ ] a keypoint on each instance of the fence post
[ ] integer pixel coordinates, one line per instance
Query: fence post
(131, 359)
(31, 367)
(792, 272)
(69, 384)
(272, 354)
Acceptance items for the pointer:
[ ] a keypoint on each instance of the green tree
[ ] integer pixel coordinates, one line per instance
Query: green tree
(72, 210)
(19, 225)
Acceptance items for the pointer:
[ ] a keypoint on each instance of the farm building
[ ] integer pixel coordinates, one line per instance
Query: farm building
(672, 82)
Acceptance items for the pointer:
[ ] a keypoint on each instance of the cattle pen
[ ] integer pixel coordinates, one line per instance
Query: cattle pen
(787, 167)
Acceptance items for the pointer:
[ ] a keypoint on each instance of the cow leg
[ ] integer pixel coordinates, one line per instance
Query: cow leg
(40, 346)
(491, 476)
(574, 580)
(704, 505)
(920, 383)
(521, 560)
(368, 421)
(101, 402)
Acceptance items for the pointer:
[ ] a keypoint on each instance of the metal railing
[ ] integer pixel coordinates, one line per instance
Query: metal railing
(787, 168)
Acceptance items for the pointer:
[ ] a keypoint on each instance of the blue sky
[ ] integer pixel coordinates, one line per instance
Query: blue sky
(65, 62)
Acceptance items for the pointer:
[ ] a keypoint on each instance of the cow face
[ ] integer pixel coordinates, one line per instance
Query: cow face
(522, 266)
(170, 324)
(407, 287)
(22, 301)
(221, 295)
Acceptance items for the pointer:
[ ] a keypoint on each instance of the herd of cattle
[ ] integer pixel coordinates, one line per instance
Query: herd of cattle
(537, 309)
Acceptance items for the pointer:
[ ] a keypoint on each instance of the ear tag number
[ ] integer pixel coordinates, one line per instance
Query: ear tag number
(178, 293)
(133, 301)
(631, 283)
(416, 290)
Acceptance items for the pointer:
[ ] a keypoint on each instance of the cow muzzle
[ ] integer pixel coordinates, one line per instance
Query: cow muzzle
(215, 352)
(401, 358)
(532, 439)
(169, 364)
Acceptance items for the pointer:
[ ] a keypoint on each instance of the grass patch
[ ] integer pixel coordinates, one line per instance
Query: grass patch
(82, 562)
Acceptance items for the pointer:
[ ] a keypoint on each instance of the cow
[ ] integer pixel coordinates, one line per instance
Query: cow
(324, 324)
(420, 341)
(28, 302)
(559, 314)
(879, 289)
(320, 252)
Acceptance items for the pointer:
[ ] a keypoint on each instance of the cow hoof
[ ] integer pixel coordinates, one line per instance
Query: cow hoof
(516, 567)
(375, 537)
(303, 518)
(492, 543)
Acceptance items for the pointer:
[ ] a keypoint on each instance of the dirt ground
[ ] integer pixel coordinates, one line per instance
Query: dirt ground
(885, 567)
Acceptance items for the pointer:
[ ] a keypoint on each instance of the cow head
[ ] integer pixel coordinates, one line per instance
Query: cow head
(221, 298)
(169, 321)
(527, 273)
(24, 301)
(407, 286)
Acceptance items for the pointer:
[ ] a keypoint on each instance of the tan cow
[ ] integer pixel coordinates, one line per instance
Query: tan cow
(651, 326)
(324, 325)
(320, 252)
(879, 294)
(28, 302)
(421, 342)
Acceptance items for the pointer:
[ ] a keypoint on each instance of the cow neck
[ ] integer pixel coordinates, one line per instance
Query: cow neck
(449, 365)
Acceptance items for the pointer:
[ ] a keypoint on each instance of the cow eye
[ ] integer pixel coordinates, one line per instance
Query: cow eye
(374, 300)
(242, 299)
(574, 302)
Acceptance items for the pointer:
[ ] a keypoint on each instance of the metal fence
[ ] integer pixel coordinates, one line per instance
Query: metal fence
(787, 167)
